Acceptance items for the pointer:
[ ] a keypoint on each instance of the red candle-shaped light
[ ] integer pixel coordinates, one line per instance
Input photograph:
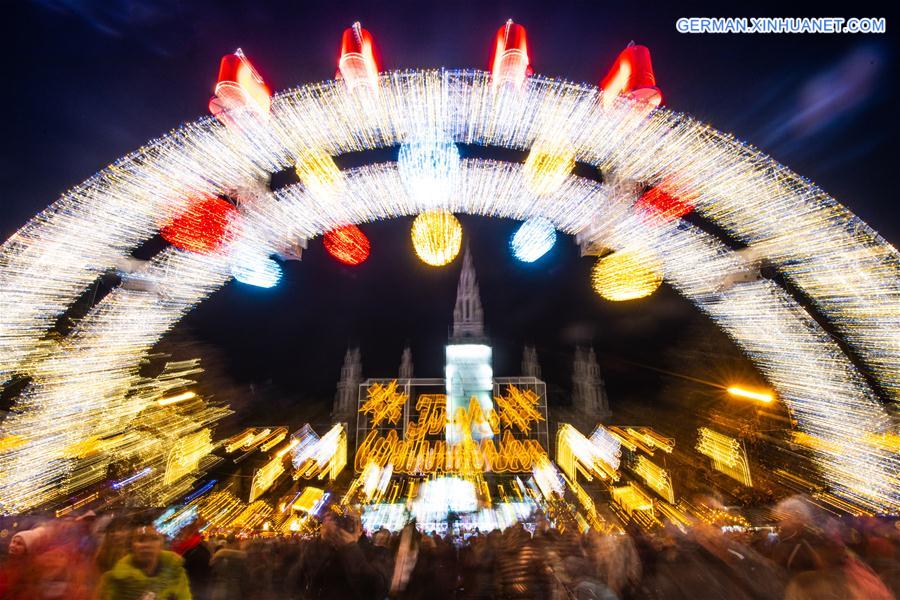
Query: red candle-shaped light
(239, 86)
(632, 75)
(510, 63)
(357, 64)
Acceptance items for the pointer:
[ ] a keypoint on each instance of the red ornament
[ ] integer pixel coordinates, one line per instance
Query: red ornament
(203, 227)
(348, 244)
(659, 204)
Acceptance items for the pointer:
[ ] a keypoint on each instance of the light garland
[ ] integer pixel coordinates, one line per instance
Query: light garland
(79, 388)
(727, 454)
(577, 454)
(655, 477)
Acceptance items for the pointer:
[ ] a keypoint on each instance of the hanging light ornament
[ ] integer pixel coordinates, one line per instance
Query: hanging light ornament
(428, 170)
(547, 167)
(533, 239)
(318, 172)
(436, 237)
(203, 227)
(659, 205)
(347, 244)
(627, 274)
(257, 270)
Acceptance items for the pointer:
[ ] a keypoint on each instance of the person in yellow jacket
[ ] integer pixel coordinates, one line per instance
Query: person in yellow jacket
(147, 573)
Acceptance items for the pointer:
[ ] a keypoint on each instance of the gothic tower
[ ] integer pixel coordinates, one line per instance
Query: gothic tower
(468, 316)
(406, 364)
(467, 370)
(588, 388)
(530, 366)
(346, 398)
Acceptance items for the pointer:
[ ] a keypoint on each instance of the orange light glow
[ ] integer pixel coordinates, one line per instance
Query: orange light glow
(179, 398)
(740, 392)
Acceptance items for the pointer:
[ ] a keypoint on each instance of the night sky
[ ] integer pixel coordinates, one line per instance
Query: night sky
(91, 84)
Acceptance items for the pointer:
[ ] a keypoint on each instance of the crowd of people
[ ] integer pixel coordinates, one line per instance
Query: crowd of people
(111, 557)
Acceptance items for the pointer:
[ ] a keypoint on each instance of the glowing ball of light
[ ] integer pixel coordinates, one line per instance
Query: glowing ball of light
(533, 239)
(203, 227)
(259, 270)
(436, 237)
(348, 244)
(660, 205)
(428, 170)
(317, 171)
(546, 169)
(627, 274)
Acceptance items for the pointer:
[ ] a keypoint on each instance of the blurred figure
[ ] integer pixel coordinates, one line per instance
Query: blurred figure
(114, 544)
(190, 546)
(62, 573)
(617, 562)
(815, 585)
(147, 572)
(230, 578)
(523, 569)
(17, 573)
(334, 564)
(801, 546)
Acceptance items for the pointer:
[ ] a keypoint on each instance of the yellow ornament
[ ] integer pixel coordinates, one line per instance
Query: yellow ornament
(627, 274)
(436, 237)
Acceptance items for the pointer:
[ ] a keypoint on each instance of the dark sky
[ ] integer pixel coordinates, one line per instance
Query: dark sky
(91, 81)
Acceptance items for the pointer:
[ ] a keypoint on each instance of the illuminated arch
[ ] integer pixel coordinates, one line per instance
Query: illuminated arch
(851, 275)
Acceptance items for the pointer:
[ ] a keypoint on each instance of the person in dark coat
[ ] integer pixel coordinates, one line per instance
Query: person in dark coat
(335, 566)
(191, 547)
(230, 575)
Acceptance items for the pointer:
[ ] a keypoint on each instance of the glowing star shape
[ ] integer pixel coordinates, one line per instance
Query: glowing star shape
(203, 227)
(347, 244)
(436, 237)
(428, 170)
(533, 239)
(260, 271)
(627, 274)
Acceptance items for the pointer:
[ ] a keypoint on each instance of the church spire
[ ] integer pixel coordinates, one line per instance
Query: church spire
(468, 316)
(530, 366)
(588, 388)
(346, 398)
(406, 364)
